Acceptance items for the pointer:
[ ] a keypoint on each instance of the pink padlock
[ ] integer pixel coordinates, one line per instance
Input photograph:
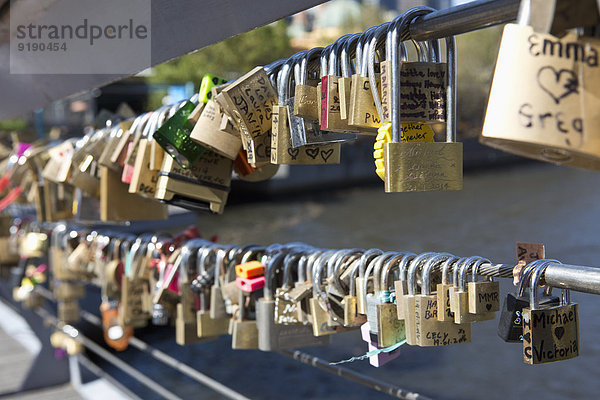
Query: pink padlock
(250, 284)
(379, 359)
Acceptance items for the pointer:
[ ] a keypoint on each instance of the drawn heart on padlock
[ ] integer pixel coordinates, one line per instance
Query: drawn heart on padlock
(326, 154)
(558, 84)
(488, 306)
(312, 153)
(293, 153)
(559, 331)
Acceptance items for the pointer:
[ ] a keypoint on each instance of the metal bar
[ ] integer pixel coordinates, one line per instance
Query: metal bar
(463, 18)
(100, 373)
(172, 362)
(375, 384)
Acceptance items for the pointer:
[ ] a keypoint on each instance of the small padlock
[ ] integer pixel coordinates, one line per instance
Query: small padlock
(484, 296)
(391, 329)
(361, 296)
(444, 312)
(550, 333)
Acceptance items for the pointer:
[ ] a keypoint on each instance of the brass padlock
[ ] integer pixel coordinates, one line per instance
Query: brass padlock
(423, 166)
(344, 82)
(286, 126)
(249, 101)
(549, 333)
(429, 330)
(444, 312)
(544, 94)
(484, 296)
(392, 329)
(362, 110)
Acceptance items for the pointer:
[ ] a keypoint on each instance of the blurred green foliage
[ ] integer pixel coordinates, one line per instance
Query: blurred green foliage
(14, 124)
(229, 58)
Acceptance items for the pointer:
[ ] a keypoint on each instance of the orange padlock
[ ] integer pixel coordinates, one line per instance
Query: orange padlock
(250, 269)
(115, 335)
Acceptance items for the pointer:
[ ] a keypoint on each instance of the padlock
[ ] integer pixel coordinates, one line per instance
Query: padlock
(272, 336)
(444, 312)
(543, 98)
(459, 302)
(484, 296)
(331, 120)
(286, 126)
(429, 330)
(320, 306)
(68, 311)
(203, 186)
(413, 166)
(340, 272)
(130, 144)
(307, 100)
(549, 333)
(510, 324)
(362, 110)
(409, 300)
(174, 136)
(207, 326)
(346, 66)
(361, 296)
(391, 329)
(34, 245)
(381, 358)
(401, 285)
(373, 299)
(350, 301)
(115, 335)
(249, 101)
(244, 335)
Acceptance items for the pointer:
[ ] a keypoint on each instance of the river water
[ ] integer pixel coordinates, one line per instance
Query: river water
(556, 206)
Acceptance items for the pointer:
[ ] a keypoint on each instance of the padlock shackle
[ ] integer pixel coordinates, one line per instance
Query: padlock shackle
(389, 267)
(312, 259)
(377, 267)
(464, 271)
(289, 261)
(397, 27)
(379, 36)
(446, 268)
(428, 269)
(284, 78)
(317, 271)
(535, 280)
(526, 275)
(538, 14)
(404, 264)
(362, 51)
(413, 266)
(349, 51)
(348, 254)
(475, 269)
(334, 56)
(365, 259)
(309, 57)
(273, 264)
(324, 61)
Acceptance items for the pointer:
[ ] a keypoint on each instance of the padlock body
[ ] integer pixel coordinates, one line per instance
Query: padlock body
(510, 325)
(429, 331)
(391, 330)
(484, 297)
(418, 167)
(445, 313)
(550, 334)
(544, 98)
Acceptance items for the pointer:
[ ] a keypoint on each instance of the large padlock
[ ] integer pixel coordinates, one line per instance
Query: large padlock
(510, 324)
(544, 94)
(422, 166)
(549, 333)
